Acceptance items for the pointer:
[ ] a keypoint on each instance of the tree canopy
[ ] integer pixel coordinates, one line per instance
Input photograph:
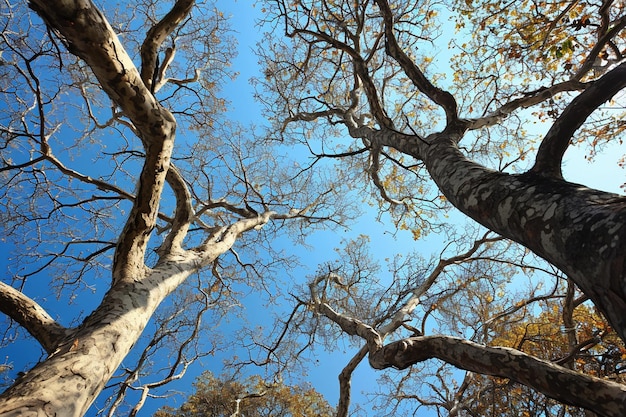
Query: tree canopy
(225, 397)
(125, 175)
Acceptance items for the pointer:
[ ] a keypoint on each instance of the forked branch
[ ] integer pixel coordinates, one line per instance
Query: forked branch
(437, 95)
(155, 38)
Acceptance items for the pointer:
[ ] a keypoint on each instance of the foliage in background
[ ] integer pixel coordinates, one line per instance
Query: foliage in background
(254, 397)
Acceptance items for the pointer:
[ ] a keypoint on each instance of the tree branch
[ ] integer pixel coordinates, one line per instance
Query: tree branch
(437, 95)
(529, 99)
(31, 316)
(555, 143)
(345, 378)
(155, 37)
(604, 397)
(606, 35)
(81, 25)
(182, 216)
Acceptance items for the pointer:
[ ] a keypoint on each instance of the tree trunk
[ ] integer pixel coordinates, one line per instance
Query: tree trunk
(69, 380)
(580, 230)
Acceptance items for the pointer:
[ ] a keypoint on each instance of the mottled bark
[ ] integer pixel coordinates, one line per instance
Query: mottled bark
(604, 397)
(68, 381)
(87, 34)
(580, 230)
(83, 359)
(155, 38)
(553, 146)
(31, 316)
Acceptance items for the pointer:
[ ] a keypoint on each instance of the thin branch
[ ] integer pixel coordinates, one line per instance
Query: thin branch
(437, 95)
(530, 99)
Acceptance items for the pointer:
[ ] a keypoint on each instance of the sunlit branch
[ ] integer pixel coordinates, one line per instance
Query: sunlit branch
(183, 214)
(557, 140)
(223, 238)
(353, 327)
(413, 301)
(155, 38)
(180, 359)
(241, 397)
(32, 317)
(567, 386)
(310, 116)
(81, 27)
(178, 81)
(345, 382)
(530, 99)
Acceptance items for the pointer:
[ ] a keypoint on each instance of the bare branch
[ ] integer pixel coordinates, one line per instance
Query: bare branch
(439, 96)
(604, 397)
(183, 215)
(557, 140)
(154, 39)
(345, 382)
(530, 99)
(30, 315)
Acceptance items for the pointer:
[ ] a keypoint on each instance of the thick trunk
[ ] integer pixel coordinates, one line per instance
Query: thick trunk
(579, 230)
(68, 381)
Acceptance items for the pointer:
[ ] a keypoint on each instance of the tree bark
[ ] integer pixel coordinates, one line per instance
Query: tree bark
(606, 398)
(69, 380)
(580, 230)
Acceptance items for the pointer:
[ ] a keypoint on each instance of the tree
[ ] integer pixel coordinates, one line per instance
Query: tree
(94, 195)
(253, 398)
(366, 71)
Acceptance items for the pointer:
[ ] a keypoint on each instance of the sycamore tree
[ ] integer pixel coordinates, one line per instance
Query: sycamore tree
(470, 104)
(97, 198)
